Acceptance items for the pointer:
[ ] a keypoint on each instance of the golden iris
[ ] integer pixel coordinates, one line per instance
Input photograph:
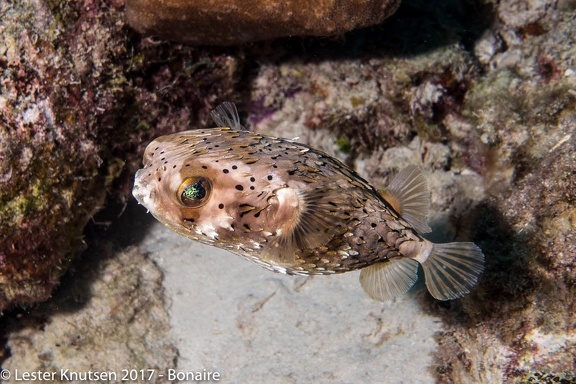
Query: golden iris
(194, 191)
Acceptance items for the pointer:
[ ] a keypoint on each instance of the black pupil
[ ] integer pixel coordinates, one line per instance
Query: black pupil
(194, 191)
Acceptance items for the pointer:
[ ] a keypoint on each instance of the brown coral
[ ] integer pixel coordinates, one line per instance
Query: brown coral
(227, 22)
(67, 80)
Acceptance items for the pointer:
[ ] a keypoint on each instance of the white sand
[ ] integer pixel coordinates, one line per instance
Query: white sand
(251, 325)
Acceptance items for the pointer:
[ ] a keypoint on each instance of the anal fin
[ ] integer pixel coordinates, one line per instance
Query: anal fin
(386, 280)
(408, 195)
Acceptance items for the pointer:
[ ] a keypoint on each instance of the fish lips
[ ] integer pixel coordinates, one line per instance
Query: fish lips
(141, 190)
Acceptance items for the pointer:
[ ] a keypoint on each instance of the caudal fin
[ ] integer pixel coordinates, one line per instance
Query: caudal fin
(452, 269)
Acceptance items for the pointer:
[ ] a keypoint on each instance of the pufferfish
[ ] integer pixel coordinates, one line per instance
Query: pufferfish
(296, 210)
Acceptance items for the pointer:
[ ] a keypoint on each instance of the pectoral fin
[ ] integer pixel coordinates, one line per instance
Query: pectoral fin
(306, 220)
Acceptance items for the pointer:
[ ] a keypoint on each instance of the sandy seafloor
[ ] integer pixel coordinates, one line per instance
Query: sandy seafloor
(143, 297)
(252, 325)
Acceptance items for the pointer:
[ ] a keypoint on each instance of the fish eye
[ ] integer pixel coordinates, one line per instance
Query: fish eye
(194, 191)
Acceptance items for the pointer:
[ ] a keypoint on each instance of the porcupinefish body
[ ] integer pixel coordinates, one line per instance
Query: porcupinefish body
(296, 210)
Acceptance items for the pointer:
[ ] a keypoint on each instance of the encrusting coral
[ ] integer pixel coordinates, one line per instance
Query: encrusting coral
(228, 22)
(67, 76)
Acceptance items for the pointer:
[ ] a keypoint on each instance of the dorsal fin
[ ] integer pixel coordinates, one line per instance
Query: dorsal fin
(226, 115)
(312, 222)
(408, 195)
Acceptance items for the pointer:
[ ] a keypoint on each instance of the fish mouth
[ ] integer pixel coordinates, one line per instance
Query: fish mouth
(142, 191)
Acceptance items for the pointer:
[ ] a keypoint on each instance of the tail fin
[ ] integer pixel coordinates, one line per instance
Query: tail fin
(452, 269)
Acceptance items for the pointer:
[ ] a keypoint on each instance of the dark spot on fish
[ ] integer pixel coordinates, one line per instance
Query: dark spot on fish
(159, 179)
(157, 148)
(187, 165)
(274, 166)
(269, 177)
(373, 225)
(252, 187)
(204, 167)
(234, 167)
(252, 179)
(239, 187)
(257, 214)
(216, 146)
(174, 166)
(221, 206)
(332, 203)
(191, 220)
(162, 159)
(225, 170)
(162, 152)
(292, 172)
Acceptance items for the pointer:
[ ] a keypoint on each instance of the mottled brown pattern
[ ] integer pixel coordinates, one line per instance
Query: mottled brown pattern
(357, 226)
(296, 210)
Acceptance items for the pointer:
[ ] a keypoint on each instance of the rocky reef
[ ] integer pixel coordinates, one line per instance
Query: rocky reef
(107, 319)
(481, 95)
(69, 72)
(229, 22)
